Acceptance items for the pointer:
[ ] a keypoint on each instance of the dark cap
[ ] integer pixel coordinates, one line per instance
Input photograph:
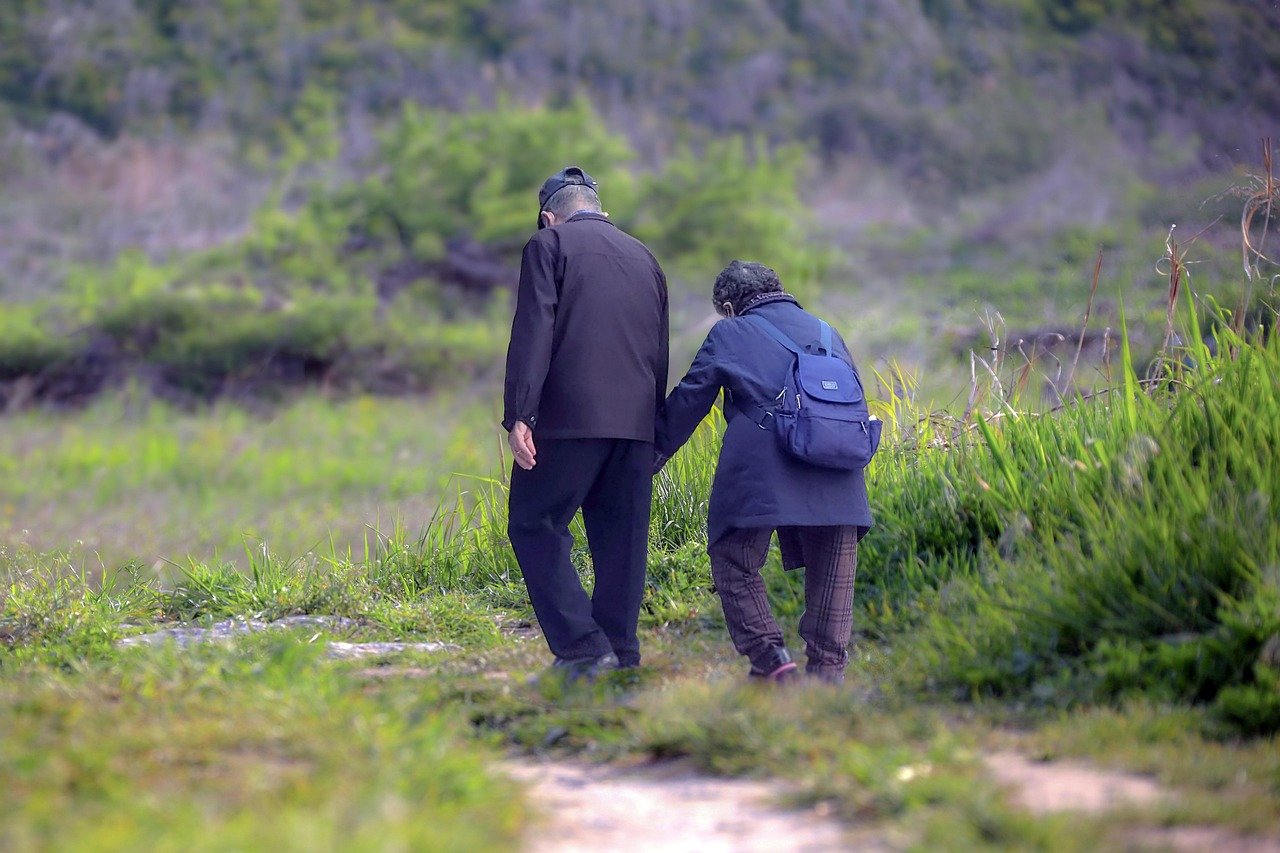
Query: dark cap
(566, 177)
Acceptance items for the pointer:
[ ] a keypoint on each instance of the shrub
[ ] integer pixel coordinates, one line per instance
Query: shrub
(748, 206)
(476, 174)
(1130, 551)
(132, 276)
(295, 343)
(27, 346)
(138, 324)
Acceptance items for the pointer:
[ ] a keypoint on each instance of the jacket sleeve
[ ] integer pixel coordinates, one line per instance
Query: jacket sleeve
(532, 335)
(663, 365)
(689, 402)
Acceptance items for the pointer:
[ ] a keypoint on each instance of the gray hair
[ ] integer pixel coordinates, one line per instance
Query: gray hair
(742, 281)
(572, 198)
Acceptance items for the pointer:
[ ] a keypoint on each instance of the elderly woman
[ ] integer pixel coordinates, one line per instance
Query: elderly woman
(819, 513)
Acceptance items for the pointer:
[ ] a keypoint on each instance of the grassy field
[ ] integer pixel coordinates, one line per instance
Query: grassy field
(1097, 582)
(132, 478)
(257, 748)
(254, 303)
(265, 743)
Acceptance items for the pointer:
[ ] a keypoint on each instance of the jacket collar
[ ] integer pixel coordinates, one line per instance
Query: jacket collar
(599, 217)
(771, 299)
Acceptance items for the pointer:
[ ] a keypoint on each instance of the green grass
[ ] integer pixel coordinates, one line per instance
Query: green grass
(133, 478)
(260, 747)
(1098, 581)
(265, 742)
(1120, 546)
(1125, 545)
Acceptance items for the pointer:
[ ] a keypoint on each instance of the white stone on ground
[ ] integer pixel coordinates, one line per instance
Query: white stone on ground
(228, 629)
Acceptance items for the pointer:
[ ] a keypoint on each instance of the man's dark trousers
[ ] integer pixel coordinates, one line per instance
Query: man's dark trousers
(611, 481)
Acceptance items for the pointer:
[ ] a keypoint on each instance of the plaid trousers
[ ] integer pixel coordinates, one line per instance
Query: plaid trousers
(830, 555)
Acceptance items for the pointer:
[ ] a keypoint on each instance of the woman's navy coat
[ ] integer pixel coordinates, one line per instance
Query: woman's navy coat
(757, 484)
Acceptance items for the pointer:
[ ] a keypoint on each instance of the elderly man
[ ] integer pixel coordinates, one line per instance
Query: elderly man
(586, 372)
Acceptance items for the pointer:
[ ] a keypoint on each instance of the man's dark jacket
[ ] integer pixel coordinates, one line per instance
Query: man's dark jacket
(588, 354)
(757, 484)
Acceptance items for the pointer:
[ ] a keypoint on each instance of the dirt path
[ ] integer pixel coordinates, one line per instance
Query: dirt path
(1041, 786)
(669, 807)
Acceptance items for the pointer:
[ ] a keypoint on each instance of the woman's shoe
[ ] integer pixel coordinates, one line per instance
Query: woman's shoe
(777, 667)
(829, 676)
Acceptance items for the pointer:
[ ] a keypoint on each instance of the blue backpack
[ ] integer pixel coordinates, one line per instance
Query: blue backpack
(821, 415)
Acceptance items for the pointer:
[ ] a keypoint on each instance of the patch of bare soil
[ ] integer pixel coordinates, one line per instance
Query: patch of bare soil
(1058, 786)
(669, 807)
(1199, 838)
(387, 673)
(1044, 786)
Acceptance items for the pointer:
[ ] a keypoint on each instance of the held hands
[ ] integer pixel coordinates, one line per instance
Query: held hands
(521, 440)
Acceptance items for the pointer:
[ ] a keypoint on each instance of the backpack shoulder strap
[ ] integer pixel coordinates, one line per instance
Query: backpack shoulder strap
(825, 334)
(774, 332)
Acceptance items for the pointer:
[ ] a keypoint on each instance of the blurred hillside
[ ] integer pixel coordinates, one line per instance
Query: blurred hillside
(940, 155)
(962, 93)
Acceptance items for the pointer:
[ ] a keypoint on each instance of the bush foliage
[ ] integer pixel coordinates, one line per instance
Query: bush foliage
(196, 344)
(1123, 545)
(981, 82)
(391, 282)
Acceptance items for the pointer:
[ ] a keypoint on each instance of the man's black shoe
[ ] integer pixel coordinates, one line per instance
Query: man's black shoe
(590, 668)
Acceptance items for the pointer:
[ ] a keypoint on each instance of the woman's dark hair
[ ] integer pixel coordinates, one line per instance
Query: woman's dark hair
(742, 281)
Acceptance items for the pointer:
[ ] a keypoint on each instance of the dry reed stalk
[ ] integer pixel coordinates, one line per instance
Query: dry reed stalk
(1106, 354)
(973, 387)
(1178, 273)
(1088, 312)
(1020, 383)
(1030, 361)
(994, 321)
(1263, 200)
(1177, 268)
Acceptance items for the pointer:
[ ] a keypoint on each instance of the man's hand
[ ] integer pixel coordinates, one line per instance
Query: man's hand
(521, 440)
